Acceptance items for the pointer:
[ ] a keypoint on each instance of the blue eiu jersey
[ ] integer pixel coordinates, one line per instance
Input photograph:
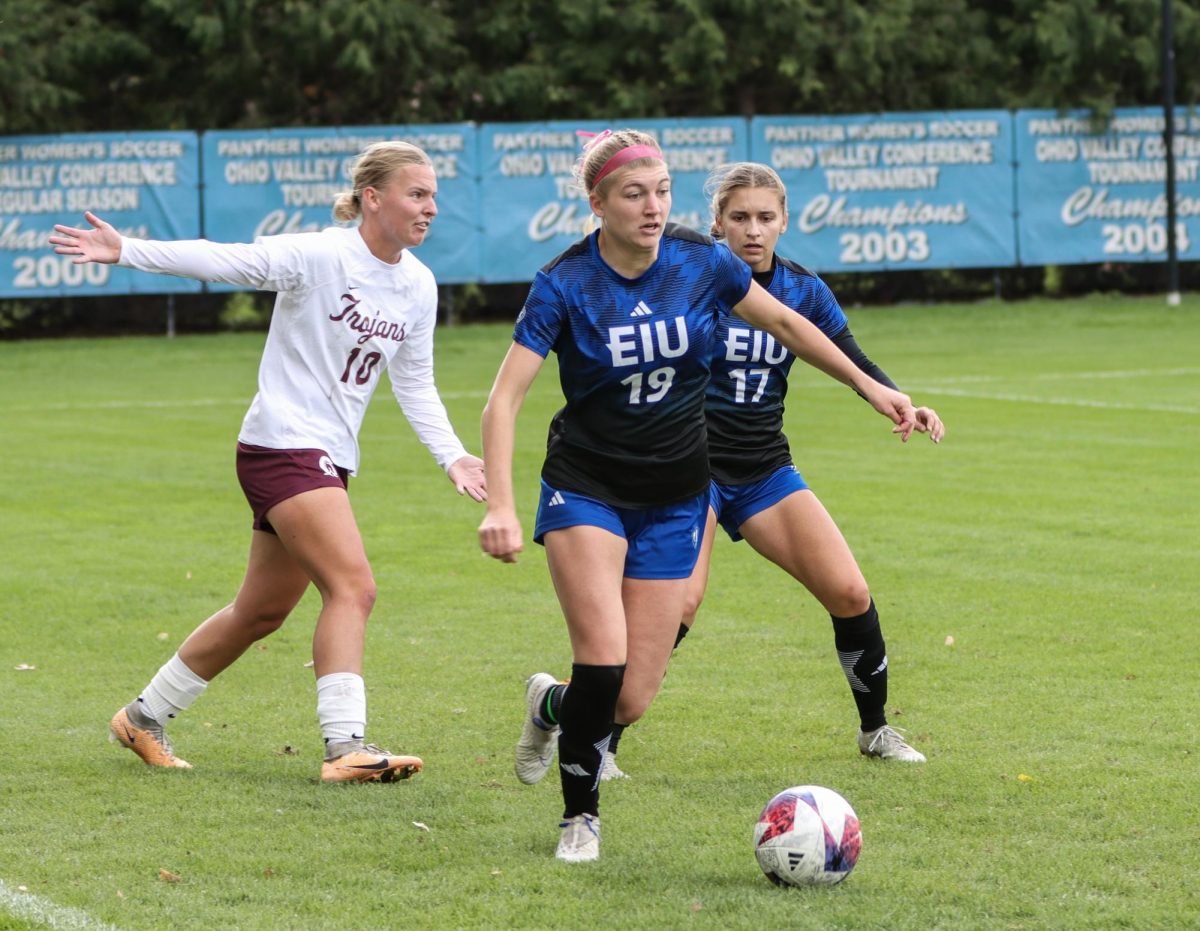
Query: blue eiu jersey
(633, 362)
(749, 380)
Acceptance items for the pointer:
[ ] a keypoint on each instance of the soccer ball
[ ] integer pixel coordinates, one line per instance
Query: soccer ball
(807, 836)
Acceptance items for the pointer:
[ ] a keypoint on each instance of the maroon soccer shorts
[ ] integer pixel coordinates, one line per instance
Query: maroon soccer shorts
(269, 476)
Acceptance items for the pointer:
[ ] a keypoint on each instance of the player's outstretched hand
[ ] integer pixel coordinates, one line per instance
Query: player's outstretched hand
(100, 244)
(929, 422)
(894, 405)
(500, 536)
(468, 478)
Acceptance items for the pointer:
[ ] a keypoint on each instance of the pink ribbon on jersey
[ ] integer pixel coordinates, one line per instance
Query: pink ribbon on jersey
(621, 157)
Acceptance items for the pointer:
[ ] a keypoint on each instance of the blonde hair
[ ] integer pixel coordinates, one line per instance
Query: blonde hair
(726, 179)
(374, 168)
(599, 149)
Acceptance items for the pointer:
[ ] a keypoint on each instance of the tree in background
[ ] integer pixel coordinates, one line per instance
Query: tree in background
(99, 65)
(1098, 54)
(44, 49)
(204, 64)
(734, 57)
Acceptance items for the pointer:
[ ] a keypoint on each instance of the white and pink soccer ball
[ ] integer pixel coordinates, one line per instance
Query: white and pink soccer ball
(807, 836)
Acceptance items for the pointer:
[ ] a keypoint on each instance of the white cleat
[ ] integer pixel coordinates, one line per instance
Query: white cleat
(609, 769)
(535, 749)
(580, 841)
(887, 744)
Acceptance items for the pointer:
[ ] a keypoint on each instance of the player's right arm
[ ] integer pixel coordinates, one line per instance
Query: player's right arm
(500, 532)
(232, 263)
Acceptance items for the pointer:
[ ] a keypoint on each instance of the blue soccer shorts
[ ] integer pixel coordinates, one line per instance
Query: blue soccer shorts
(664, 541)
(736, 504)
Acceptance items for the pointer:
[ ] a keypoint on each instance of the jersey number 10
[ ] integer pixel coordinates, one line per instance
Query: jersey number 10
(365, 368)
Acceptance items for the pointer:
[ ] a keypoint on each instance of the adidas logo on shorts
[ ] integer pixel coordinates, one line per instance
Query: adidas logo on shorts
(555, 498)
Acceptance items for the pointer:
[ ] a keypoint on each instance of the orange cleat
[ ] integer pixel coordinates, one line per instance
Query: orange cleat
(150, 743)
(370, 764)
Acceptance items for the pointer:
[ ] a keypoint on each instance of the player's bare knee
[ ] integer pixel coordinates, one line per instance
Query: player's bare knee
(849, 600)
(367, 595)
(355, 591)
(360, 595)
(260, 620)
(265, 626)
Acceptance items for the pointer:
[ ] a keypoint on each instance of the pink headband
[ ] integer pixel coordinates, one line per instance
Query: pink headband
(621, 156)
(624, 157)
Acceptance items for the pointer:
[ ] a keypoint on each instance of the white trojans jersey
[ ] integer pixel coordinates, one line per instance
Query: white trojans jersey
(341, 317)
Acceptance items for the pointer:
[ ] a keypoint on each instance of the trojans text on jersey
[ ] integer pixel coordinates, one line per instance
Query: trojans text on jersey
(369, 326)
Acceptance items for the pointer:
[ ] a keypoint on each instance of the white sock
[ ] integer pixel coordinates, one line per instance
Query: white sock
(342, 706)
(173, 688)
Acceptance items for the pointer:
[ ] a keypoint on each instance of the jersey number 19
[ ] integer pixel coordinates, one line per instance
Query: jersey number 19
(655, 385)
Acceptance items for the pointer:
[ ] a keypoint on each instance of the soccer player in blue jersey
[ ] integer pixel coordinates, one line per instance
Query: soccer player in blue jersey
(757, 494)
(631, 311)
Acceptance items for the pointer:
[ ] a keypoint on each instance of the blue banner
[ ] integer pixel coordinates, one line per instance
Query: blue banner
(894, 190)
(270, 181)
(961, 189)
(144, 184)
(532, 207)
(1096, 193)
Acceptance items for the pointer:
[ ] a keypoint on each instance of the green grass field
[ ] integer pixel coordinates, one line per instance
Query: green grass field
(1036, 576)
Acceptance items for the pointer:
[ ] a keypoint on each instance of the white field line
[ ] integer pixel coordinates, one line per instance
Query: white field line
(40, 911)
(943, 386)
(1065, 402)
(123, 405)
(1069, 376)
(939, 386)
(145, 404)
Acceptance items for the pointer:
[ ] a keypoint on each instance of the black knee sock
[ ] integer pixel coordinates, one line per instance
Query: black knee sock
(863, 656)
(586, 719)
(681, 633)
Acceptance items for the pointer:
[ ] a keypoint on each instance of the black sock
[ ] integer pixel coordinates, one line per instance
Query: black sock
(586, 719)
(614, 742)
(681, 633)
(863, 656)
(551, 703)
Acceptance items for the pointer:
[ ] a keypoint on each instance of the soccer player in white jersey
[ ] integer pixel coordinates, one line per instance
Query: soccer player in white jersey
(757, 494)
(351, 302)
(631, 311)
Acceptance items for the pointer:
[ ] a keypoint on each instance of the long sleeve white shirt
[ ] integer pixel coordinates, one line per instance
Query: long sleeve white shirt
(341, 317)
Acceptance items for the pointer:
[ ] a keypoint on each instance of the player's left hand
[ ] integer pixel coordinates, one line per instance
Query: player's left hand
(896, 406)
(467, 475)
(929, 422)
